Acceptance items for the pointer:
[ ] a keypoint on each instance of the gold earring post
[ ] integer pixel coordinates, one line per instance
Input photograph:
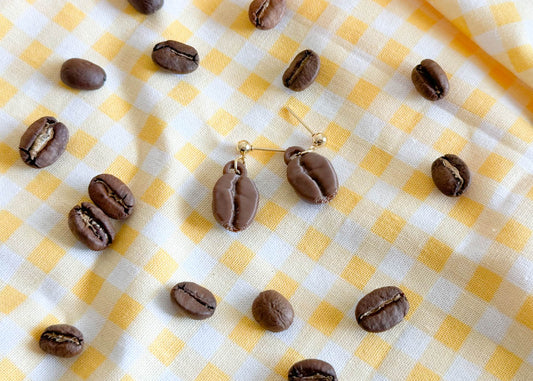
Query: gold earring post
(319, 139)
(244, 147)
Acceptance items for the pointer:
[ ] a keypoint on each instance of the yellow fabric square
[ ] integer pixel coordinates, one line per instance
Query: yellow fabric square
(450, 142)
(89, 360)
(161, 266)
(184, 93)
(144, 68)
(421, 20)
(514, 235)
(80, 144)
(270, 215)
(525, 315)
(237, 257)
(466, 211)
(166, 347)
(502, 76)
(254, 86)
(405, 118)
(393, 53)
(464, 45)
(125, 311)
(479, 103)
(264, 156)
(376, 161)
(530, 194)
(8, 91)
(358, 272)
(115, 107)
(505, 13)
(37, 113)
(414, 300)
(35, 54)
(196, 227)
(211, 372)
(314, 243)
(88, 286)
(246, 334)
(284, 49)
(496, 167)
(223, 122)
(461, 24)
(69, 17)
(153, 128)
(383, 3)
(373, 350)
(215, 61)
(421, 373)
(484, 283)
(419, 185)
(242, 24)
(157, 193)
(503, 364)
(283, 284)
(345, 201)
(312, 9)
(326, 318)
(124, 238)
(8, 371)
(207, 6)
(9, 157)
(363, 94)
(452, 332)
(290, 357)
(5, 26)
(434, 254)
(108, 46)
(191, 157)
(10, 223)
(522, 130)
(122, 169)
(352, 29)
(10, 299)
(46, 255)
(299, 108)
(177, 31)
(327, 71)
(43, 185)
(388, 226)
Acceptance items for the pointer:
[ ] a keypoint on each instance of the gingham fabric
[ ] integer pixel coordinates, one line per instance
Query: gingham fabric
(465, 264)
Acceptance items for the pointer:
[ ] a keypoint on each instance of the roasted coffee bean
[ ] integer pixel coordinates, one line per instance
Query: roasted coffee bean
(311, 175)
(194, 300)
(235, 198)
(62, 340)
(82, 74)
(146, 6)
(430, 80)
(112, 196)
(43, 142)
(312, 370)
(91, 226)
(302, 71)
(266, 14)
(450, 174)
(272, 311)
(175, 56)
(381, 309)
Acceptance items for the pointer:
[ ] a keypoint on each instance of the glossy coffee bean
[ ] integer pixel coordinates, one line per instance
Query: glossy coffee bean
(82, 74)
(194, 300)
(175, 56)
(43, 142)
(91, 226)
(235, 198)
(311, 175)
(430, 80)
(272, 311)
(381, 309)
(450, 174)
(112, 196)
(146, 6)
(266, 14)
(302, 71)
(312, 370)
(62, 340)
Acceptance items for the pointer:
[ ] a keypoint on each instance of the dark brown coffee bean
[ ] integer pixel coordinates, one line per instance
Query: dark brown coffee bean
(175, 56)
(112, 196)
(146, 6)
(430, 80)
(272, 311)
(62, 340)
(311, 175)
(43, 142)
(450, 174)
(91, 226)
(82, 74)
(302, 71)
(235, 198)
(194, 300)
(312, 370)
(381, 309)
(266, 14)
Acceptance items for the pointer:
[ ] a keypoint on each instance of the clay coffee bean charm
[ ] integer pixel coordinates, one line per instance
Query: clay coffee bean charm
(302, 71)
(43, 142)
(193, 300)
(82, 74)
(62, 340)
(146, 6)
(91, 226)
(451, 175)
(266, 14)
(176, 57)
(235, 198)
(381, 309)
(312, 370)
(112, 196)
(311, 175)
(430, 80)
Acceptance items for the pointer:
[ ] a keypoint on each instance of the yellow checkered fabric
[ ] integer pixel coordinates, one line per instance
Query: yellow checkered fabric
(465, 264)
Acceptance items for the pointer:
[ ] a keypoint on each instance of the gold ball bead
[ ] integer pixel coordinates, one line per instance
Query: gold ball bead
(319, 139)
(243, 146)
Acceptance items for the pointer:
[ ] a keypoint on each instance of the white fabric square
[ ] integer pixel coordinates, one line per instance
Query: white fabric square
(80, 177)
(343, 167)
(505, 201)
(9, 190)
(470, 5)
(474, 246)
(521, 274)
(72, 47)
(399, 86)
(319, 281)
(162, 307)
(428, 47)
(206, 341)
(210, 32)
(387, 23)
(10, 263)
(328, 104)
(105, 13)
(126, 351)
(37, 87)
(357, 61)
(413, 342)
(90, 324)
(317, 39)
(50, 368)
(44, 219)
(167, 375)
(267, 183)
(187, 123)
(525, 161)
(471, 74)
(486, 136)
(493, 324)
(442, 112)
(369, 127)
(49, 293)
(444, 294)
(6, 59)
(193, 191)
(155, 161)
(117, 138)
(491, 42)
(396, 264)
(115, 78)
(123, 274)
(335, 355)
(10, 335)
(218, 91)
(275, 251)
(76, 111)
(198, 265)
(258, 118)
(159, 228)
(347, 5)
(241, 296)
(303, 209)
(382, 193)
(288, 336)
(249, 55)
(426, 218)
(143, 38)
(350, 235)
(32, 22)
(412, 152)
(251, 369)
(147, 98)
(380, 377)
(462, 370)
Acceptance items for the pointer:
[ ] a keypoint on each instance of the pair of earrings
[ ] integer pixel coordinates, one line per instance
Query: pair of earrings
(235, 196)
